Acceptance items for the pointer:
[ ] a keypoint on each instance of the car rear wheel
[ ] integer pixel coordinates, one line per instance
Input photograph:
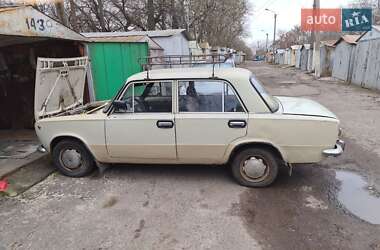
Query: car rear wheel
(255, 167)
(72, 158)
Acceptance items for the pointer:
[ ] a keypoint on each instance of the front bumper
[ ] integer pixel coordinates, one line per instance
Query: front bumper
(41, 149)
(338, 150)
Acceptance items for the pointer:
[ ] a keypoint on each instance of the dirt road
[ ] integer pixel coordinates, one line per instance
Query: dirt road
(197, 207)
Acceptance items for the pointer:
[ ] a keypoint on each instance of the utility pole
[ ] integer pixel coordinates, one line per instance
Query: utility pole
(317, 40)
(267, 40)
(274, 31)
(274, 28)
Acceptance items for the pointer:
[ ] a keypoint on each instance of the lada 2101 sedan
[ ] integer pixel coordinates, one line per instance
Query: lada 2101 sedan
(180, 116)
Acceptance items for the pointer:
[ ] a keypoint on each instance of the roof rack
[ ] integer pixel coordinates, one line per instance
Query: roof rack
(175, 61)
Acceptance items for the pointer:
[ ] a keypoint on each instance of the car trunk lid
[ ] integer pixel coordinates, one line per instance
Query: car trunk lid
(302, 106)
(59, 85)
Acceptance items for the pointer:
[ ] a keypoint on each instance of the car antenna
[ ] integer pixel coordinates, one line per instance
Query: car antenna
(147, 72)
(147, 68)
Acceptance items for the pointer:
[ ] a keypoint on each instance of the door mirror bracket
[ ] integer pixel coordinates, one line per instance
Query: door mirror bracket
(119, 106)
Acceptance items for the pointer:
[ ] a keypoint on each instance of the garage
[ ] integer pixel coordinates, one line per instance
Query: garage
(33, 35)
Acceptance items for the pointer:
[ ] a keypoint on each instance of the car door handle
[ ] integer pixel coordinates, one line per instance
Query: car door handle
(165, 124)
(237, 124)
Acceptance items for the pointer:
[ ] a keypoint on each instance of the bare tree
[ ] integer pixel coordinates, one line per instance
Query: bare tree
(221, 23)
(374, 4)
(150, 15)
(60, 8)
(73, 20)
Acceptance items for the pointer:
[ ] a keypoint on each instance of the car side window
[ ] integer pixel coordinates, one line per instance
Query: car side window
(207, 96)
(148, 97)
(200, 96)
(231, 101)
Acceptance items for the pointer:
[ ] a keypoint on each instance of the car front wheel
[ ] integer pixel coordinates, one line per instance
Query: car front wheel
(255, 167)
(72, 158)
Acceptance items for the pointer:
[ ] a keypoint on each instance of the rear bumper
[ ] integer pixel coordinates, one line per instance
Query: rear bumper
(338, 150)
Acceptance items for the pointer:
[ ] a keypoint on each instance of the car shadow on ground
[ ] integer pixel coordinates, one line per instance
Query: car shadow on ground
(188, 172)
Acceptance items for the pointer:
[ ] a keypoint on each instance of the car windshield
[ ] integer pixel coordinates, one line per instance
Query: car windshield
(270, 101)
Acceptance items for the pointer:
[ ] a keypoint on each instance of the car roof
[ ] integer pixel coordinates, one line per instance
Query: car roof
(193, 73)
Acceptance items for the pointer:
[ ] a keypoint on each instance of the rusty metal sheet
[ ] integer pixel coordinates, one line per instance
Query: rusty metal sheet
(59, 85)
(29, 22)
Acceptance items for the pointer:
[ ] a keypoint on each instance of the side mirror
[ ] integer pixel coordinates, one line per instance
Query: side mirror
(120, 106)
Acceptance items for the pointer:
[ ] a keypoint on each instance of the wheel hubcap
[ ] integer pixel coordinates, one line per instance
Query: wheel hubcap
(254, 168)
(71, 159)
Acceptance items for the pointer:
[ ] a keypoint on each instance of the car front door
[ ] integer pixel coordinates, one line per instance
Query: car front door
(144, 129)
(209, 117)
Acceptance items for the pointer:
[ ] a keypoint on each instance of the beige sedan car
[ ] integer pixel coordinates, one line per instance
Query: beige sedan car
(182, 116)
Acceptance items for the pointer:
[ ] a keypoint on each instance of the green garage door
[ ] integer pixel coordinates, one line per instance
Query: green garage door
(112, 64)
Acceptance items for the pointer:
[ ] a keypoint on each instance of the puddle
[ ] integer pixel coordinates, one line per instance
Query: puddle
(356, 197)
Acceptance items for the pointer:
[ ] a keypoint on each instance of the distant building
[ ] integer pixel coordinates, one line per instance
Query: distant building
(306, 57)
(295, 55)
(206, 48)
(287, 56)
(195, 49)
(279, 57)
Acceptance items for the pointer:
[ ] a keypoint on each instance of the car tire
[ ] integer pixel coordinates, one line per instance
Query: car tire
(255, 167)
(73, 159)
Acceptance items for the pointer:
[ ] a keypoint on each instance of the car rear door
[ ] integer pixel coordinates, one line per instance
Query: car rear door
(209, 117)
(145, 130)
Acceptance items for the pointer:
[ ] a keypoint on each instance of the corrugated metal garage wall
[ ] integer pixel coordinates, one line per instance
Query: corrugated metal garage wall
(366, 69)
(112, 64)
(344, 54)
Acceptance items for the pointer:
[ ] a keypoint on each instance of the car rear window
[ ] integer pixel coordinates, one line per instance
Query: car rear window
(269, 100)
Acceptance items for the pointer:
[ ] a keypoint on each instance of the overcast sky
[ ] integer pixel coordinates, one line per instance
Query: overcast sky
(289, 14)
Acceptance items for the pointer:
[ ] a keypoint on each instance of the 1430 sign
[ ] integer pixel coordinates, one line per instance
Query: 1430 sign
(38, 24)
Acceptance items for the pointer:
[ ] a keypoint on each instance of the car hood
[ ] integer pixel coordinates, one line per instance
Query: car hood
(302, 106)
(59, 85)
